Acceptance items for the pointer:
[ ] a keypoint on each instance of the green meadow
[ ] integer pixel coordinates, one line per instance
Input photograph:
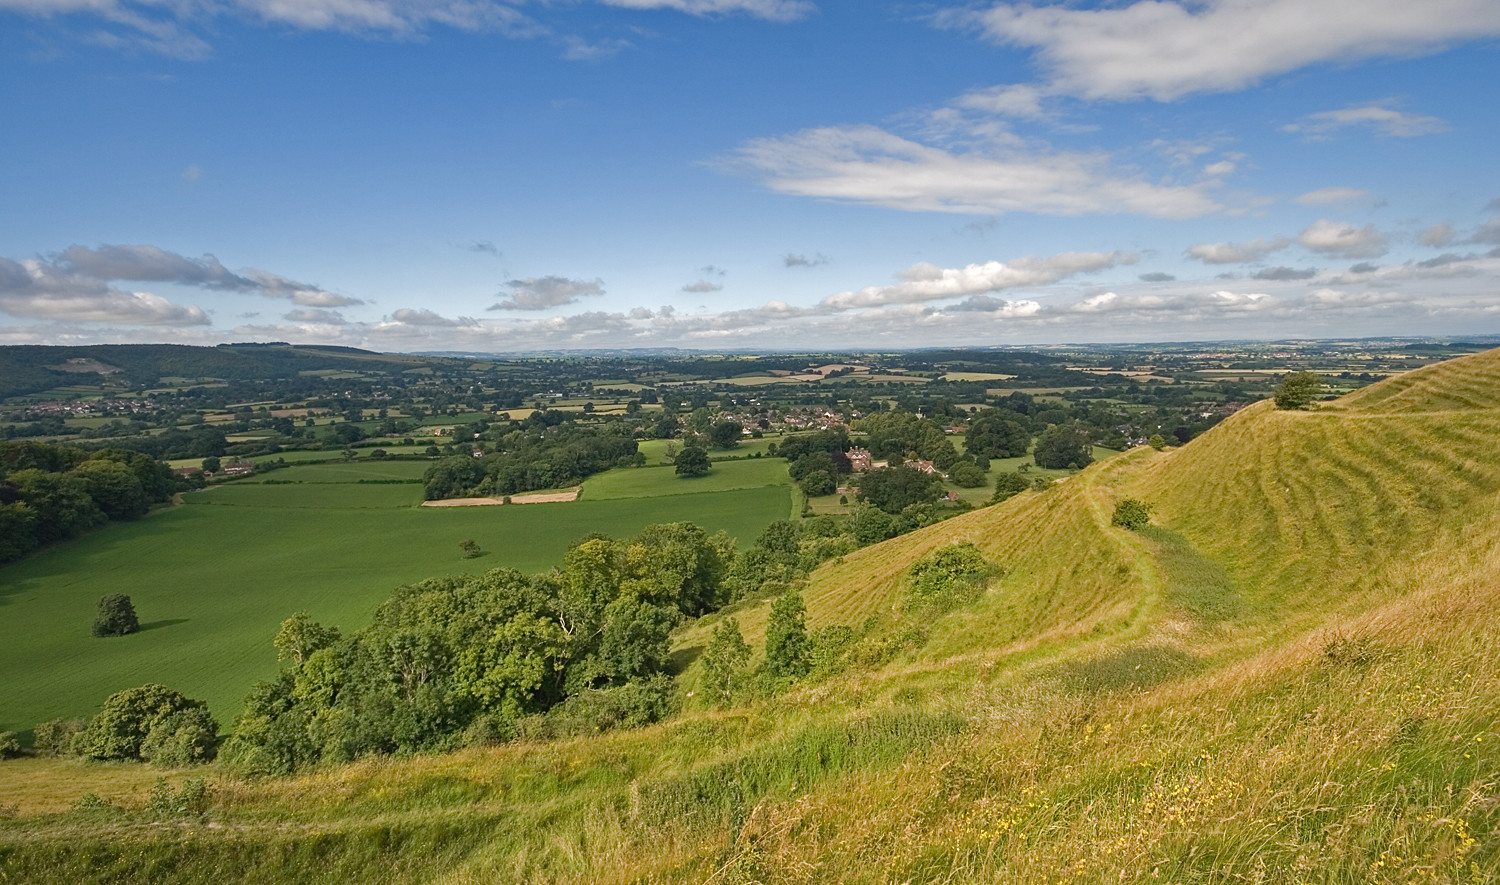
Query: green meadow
(213, 578)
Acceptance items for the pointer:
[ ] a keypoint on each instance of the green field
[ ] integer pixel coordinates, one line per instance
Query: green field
(652, 482)
(212, 579)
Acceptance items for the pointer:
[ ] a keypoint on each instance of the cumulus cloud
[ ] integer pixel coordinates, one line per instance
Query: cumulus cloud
(928, 282)
(1376, 118)
(865, 164)
(45, 291)
(1330, 195)
(1157, 277)
(1166, 49)
(1343, 240)
(702, 287)
(1237, 253)
(540, 293)
(791, 260)
(1285, 274)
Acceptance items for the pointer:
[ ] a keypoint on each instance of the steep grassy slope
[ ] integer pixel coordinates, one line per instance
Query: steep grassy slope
(1290, 678)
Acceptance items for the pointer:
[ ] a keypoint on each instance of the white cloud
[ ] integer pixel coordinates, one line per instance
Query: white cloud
(865, 164)
(44, 291)
(1015, 100)
(927, 282)
(1236, 253)
(154, 264)
(816, 260)
(1285, 274)
(1342, 239)
(314, 315)
(1331, 195)
(540, 293)
(1377, 118)
(1164, 50)
(702, 287)
(424, 317)
(773, 10)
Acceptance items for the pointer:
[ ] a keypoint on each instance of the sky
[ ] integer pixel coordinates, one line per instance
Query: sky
(510, 176)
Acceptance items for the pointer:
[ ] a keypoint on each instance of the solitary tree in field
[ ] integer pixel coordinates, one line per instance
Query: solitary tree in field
(1298, 389)
(116, 616)
(692, 461)
(470, 548)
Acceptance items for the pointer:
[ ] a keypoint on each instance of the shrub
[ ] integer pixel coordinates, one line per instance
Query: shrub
(1132, 514)
(56, 737)
(191, 800)
(138, 720)
(470, 549)
(1008, 485)
(966, 474)
(1298, 389)
(946, 578)
(10, 745)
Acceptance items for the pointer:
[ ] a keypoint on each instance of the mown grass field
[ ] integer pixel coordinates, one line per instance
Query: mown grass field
(1289, 679)
(213, 578)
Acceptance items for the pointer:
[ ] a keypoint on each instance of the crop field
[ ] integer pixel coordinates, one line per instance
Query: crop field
(212, 579)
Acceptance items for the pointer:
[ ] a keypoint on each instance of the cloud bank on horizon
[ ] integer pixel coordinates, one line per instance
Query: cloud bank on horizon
(622, 175)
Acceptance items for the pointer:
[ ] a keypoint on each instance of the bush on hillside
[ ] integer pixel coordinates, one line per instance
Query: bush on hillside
(1132, 514)
(1298, 390)
(947, 578)
(138, 723)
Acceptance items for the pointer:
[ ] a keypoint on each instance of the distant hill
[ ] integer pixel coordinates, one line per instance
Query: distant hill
(1289, 677)
(30, 369)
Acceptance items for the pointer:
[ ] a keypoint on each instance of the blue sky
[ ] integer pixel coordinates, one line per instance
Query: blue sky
(765, 174)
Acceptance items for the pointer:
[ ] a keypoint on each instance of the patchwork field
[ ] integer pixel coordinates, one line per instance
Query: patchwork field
(213, 578)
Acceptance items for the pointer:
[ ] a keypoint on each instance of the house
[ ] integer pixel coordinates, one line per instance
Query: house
(238, 468)
(860, 460)
(924, 466)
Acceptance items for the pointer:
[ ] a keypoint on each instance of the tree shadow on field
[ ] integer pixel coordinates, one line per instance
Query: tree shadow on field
(682, 658)
(157, 625)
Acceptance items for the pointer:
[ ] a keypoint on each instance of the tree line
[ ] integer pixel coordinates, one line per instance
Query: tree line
(50, 493)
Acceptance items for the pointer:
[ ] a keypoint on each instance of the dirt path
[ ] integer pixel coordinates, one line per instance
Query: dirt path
(542, 498)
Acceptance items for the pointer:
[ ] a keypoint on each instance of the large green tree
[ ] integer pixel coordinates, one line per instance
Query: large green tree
(1064, 446)
(115, 616)
(896, 488)
(692, 461)
(725, 663)
(997, 436)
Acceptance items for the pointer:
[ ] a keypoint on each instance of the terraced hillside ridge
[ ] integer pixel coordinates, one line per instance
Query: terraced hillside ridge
(1288, 678)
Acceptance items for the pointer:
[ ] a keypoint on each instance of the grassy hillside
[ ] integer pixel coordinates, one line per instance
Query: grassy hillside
(1289, 678)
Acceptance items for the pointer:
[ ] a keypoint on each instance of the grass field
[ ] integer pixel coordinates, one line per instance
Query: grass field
(212, 579)
(651, 482)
